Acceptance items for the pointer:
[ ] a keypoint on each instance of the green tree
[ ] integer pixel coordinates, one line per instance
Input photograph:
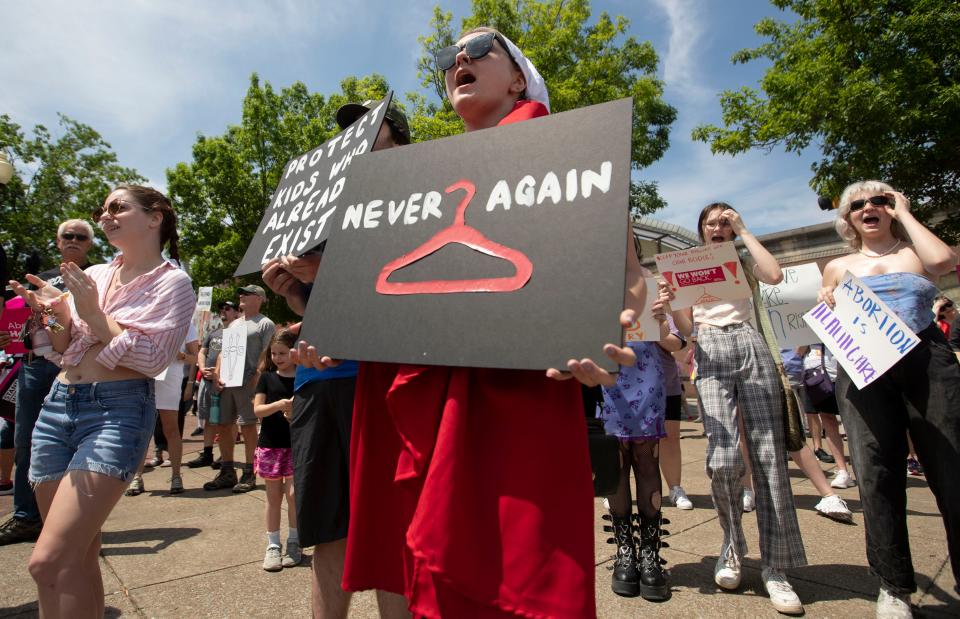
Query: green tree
(222, 193)
(55, 178)
(873, 84)
(583, 64)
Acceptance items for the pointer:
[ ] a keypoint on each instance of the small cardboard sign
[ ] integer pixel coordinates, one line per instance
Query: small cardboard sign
(233, 354)
(645, 328)
(704, 274)
(865, 335)
(497, 248)
(788, 301)
(305, 208)
(204, 298)
(15, 315)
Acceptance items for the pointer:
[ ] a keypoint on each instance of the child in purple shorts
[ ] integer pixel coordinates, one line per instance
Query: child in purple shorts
(273, 403)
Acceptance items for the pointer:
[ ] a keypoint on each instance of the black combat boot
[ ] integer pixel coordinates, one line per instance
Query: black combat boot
(652, 582)
(626, 578)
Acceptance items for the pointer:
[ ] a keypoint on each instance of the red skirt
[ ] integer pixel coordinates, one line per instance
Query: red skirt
(471, 492)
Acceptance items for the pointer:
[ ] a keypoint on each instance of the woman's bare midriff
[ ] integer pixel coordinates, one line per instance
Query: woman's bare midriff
(90, 371)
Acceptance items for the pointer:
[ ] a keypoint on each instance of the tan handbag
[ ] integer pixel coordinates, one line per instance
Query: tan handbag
(792, 424)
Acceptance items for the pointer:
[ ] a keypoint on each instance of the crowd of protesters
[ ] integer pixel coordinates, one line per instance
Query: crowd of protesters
(438, 486)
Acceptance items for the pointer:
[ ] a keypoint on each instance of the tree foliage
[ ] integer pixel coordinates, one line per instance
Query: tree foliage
(55, 178)
(583, 64)
(222, 193)
(872, 83)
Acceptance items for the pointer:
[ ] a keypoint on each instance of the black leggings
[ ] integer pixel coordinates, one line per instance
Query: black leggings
(644, 458)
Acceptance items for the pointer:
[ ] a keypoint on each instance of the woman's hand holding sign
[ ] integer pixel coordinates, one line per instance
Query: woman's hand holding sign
(307, 355)
(588, 372)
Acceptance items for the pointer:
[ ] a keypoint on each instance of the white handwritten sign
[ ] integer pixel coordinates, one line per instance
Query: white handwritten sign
(645, 328)
(704, 274)
(864, 334)
(788, 301)
(204, 298)
(233, 354)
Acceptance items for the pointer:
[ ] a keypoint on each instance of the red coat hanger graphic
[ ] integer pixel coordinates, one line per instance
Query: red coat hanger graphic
(458, 232)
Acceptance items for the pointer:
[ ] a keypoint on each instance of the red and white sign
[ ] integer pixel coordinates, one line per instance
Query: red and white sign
(15, 314)
(704, 274)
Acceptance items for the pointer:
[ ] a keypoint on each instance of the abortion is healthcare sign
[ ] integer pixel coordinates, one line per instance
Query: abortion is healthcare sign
(865, 336)
(704, 274)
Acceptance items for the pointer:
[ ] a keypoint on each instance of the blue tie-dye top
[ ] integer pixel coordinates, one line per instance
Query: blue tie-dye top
(909, 295)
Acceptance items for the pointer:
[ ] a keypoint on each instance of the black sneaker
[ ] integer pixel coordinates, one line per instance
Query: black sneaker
(216, 464)
(197, 431)
(248, 481)
(823, 456)
(202, 459)
(16, 530)
(224, 479)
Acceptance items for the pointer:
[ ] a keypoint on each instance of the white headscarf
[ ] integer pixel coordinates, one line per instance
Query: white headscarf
(536, 87)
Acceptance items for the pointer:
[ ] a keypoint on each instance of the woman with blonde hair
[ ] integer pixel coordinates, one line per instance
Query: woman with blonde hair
(898, 259)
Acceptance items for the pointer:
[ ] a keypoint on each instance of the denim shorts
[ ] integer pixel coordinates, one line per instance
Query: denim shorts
(100, 427)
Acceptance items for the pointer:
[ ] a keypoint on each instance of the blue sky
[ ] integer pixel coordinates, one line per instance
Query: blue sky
(150, 76)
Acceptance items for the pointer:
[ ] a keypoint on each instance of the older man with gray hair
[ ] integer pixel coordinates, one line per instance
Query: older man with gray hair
(74, 240)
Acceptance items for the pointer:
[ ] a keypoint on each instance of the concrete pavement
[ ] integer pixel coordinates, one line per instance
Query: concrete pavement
(198, 555)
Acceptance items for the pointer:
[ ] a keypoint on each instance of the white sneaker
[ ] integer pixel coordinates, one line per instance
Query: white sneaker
(679, 498)
(272, 562)
(782, 595)
(749, 504)
(893, 606)
(834, 508)
(727, 572)
(842, 480)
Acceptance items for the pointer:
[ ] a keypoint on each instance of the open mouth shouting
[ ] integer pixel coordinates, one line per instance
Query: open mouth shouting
(871, 219)
(463, 77)
(718, 238)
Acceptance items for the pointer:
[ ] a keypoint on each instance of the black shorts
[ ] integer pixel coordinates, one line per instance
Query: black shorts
(674, 407)
(320, 441)
(827, 406)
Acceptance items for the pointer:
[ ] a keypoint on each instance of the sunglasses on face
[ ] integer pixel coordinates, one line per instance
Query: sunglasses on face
(70, 236)
(116, 207)
(856, 205)
(476, 48)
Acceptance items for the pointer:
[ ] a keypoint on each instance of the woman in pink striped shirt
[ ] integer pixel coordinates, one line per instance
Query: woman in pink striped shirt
(123, 323)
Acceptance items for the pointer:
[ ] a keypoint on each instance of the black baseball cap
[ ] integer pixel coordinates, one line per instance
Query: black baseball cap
(229, 304)
(350, 112)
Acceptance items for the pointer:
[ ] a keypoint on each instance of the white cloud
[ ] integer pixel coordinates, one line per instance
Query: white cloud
(686, 27)
(771, 191)
(137, 66)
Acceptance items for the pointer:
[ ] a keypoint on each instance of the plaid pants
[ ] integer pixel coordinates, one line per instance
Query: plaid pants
(736, 372)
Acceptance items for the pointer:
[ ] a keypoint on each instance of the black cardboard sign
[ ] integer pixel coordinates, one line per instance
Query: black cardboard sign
(305, 206)
(498, 248)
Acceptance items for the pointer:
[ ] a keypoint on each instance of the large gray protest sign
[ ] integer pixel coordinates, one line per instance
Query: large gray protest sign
(497, 248)
(303, 210)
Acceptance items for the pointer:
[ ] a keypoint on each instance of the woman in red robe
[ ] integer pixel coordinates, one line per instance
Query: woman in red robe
(471, 488)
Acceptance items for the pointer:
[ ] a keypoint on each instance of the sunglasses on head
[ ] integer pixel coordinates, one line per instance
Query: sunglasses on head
(70, 236)
(477, 47)
(856, 205)
(116, 207)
